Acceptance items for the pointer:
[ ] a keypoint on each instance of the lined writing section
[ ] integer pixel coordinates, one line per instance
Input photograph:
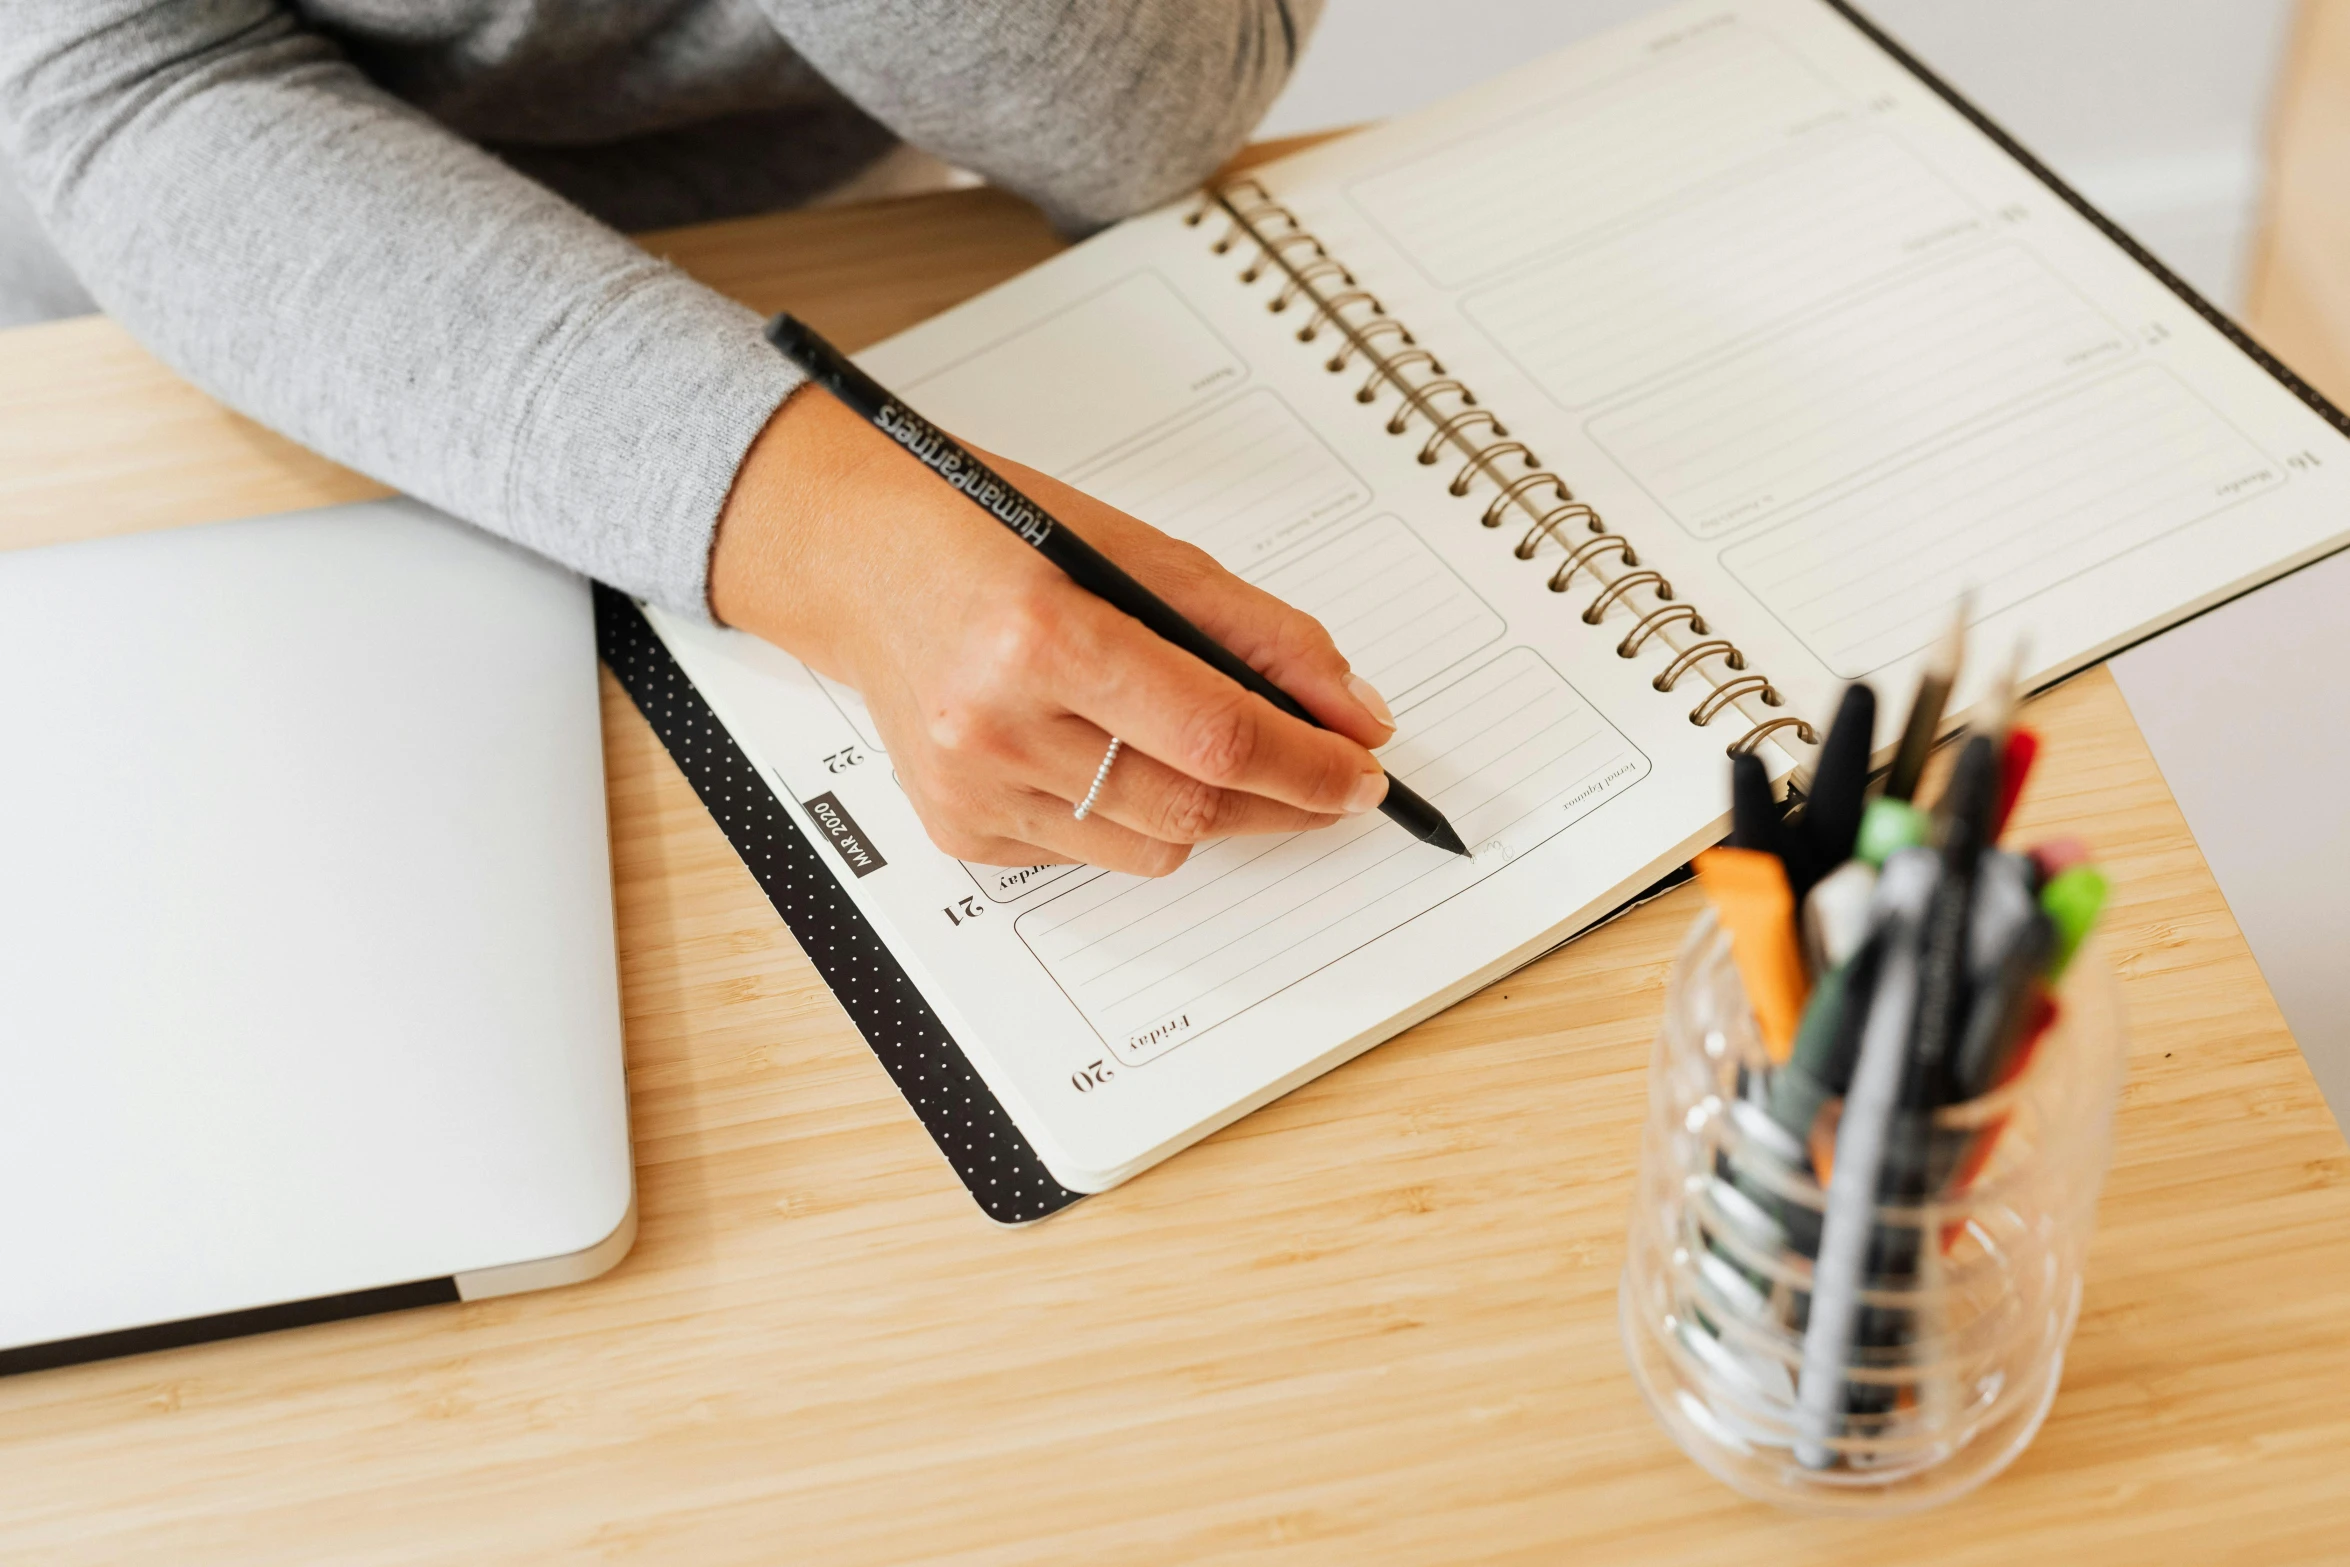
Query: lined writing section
(1397, 611)
(1707, 105)
(1847, 391)
(2009, 513)
(1510, 752)
(1240, 481)
(1060, 391)
(1604, 318)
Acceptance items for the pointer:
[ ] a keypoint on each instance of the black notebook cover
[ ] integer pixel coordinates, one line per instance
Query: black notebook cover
(971, 1129)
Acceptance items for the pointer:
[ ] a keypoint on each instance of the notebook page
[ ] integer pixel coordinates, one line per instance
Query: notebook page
(1791, 322)
(1117, 1017)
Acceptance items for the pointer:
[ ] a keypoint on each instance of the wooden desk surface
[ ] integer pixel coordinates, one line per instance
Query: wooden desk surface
(1373, 1323)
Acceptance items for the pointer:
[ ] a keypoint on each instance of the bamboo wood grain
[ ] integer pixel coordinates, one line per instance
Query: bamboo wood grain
(2300, 281)
(1374, 1323)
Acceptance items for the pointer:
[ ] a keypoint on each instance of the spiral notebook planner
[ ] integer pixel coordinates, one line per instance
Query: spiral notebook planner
(1610, 416)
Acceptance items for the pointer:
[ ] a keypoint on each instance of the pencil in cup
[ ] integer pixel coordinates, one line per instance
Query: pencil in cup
(1716, 1292)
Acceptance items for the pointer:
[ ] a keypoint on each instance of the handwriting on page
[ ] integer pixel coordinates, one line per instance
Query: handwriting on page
(1509, 752)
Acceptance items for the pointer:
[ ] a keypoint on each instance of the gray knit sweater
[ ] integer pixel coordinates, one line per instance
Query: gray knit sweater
(343, 216)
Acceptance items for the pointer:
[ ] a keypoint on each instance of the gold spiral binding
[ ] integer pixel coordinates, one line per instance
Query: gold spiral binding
(1376, 328)
(1452, 427)
(1744, 745)
(1670, 676)
(1525, 485)
(1647, 577)
(1285, 246)
(1723, 695)
(1483, 463)
(1421, 395)
(1547, 525)
(1394, 364)
(1588, 551)
(1657, 619)
(1256, 268)
(1303, 277)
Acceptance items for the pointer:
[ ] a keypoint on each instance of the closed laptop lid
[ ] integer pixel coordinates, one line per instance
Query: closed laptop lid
(307, 981)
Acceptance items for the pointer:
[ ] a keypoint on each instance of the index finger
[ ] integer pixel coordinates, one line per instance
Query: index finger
(1175, 709)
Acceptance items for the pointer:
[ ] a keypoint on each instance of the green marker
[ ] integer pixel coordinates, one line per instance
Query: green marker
(1890, 826)
(2072, 903)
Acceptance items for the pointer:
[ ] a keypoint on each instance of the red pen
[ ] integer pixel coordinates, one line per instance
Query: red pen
(2015, 765)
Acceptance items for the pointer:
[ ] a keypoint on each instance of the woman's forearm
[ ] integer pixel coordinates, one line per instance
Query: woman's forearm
(328, 260)
(324, 258)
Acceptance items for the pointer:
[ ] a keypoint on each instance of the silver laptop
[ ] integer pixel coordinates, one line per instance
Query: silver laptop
(308, 1003)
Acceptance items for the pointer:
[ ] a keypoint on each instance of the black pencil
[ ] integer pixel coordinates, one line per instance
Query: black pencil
(1086, 566)
(1839, 792)
(1925, 714)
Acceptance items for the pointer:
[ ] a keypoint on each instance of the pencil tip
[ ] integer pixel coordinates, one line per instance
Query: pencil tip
(2008, 695)
(1445, 838)
(1951, 652)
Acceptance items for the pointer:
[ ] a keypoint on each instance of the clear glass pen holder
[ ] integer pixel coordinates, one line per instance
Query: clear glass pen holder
(1954, 1325)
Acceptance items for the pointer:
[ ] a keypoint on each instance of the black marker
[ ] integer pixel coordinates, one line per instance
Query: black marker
(1754, 815)
(1085, 565)
(1839, 792)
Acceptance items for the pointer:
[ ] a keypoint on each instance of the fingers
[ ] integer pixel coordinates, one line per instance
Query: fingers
(1049, 648)
(999, 698)
(982, 801)
(1144, 822)
(1146, 796)
(1286, 645)
(1051, 835)
(1171, 707)
(1097, 840)
(984, 848)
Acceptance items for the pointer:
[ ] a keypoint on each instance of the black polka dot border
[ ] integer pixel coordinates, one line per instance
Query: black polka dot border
(979, 1141)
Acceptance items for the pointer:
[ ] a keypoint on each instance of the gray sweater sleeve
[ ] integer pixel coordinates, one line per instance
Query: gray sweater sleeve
(321, 256)
(1093, 109)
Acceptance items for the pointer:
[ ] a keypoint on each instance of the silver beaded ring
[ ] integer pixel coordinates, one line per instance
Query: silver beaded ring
(1101, 775)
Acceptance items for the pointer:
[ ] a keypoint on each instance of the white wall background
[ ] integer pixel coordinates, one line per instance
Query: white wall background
(2156, 109)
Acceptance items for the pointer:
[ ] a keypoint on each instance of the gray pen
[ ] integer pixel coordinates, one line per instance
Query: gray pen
(1862, 1135)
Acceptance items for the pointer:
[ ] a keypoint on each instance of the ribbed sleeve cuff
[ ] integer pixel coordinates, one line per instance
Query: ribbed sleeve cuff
(632, 437)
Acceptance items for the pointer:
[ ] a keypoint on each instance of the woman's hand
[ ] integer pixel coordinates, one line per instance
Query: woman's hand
(996, 682)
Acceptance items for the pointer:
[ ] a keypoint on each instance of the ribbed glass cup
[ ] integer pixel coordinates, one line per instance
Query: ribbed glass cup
(1966, 1302)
